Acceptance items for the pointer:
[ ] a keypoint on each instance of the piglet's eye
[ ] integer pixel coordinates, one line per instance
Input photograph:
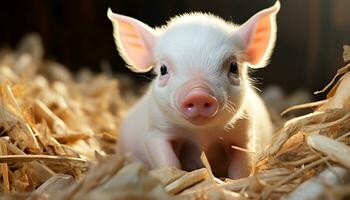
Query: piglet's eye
(234, 68)
(163, 70)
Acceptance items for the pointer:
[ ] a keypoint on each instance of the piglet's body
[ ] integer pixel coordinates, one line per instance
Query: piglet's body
(201, 99)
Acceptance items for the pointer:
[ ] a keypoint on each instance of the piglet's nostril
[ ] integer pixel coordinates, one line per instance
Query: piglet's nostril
(190, 105)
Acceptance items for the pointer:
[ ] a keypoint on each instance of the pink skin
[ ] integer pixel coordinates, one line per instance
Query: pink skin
(197, 104)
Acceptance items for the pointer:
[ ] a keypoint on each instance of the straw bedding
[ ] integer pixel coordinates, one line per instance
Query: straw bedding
(59, 133)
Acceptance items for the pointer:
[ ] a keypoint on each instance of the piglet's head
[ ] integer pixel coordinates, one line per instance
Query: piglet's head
(201, 61)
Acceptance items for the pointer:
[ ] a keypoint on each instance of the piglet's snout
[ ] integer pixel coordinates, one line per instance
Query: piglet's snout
(198, 103)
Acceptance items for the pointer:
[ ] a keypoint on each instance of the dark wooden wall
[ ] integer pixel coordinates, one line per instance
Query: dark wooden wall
(77, 32)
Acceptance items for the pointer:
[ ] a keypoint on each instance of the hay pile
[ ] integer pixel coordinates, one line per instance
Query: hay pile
(51, 122)
(58, 133)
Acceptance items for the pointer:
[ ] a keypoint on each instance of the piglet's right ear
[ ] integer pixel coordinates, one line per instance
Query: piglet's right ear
(135, 41)
(258, 35)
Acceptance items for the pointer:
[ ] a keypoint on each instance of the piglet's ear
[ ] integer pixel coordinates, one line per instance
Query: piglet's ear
(257, 36)
(135, 41)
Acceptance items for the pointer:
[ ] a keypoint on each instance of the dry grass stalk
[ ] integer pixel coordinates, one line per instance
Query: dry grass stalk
(54, 185)
(314, 188)
(206, 164)
(340, 72)
(4, 168)
(29, 158)
(346, 53)
(167, 175)
(269, 190)
(336, 151)
(186, 181)
(303, 106)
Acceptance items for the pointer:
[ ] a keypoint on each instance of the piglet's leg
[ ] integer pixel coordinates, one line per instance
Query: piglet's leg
(161, 153)
(239, 164)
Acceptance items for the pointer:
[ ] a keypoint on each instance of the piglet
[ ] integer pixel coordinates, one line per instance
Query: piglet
(201, 99)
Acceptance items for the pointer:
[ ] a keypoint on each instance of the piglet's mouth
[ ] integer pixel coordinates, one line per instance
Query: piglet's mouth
(199, 120)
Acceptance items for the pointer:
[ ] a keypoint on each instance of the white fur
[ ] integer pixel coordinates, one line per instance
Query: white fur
(198, 47)
(195, 43)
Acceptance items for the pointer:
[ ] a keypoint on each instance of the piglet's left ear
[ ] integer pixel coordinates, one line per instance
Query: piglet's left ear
(257, 36)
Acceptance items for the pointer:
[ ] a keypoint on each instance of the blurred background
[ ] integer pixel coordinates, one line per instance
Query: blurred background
(78, 34)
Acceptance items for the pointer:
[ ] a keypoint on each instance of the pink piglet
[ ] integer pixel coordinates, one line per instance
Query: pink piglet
(201, 99)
